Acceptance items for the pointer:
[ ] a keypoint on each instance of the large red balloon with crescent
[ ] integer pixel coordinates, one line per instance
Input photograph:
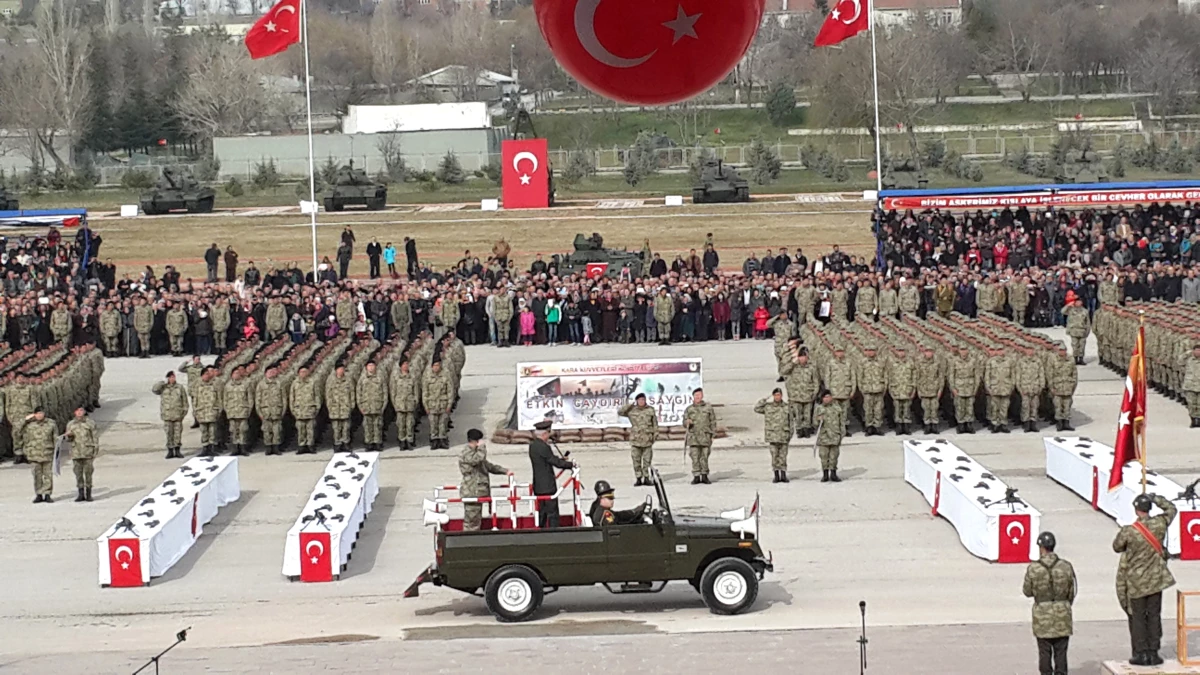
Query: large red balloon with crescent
(649, 52)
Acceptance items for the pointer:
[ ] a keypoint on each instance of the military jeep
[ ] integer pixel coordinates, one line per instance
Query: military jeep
(513, 566)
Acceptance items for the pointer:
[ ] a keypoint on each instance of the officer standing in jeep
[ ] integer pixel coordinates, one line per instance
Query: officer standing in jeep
(1050, 581)
(602, 512)
(544, 462)
(474, 466)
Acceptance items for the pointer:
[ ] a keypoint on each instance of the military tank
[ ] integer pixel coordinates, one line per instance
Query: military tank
(591, 250)
(719, 184)
(1080, 166)
(177, 192)
(352, 187)
(904, 175)
(8, 200)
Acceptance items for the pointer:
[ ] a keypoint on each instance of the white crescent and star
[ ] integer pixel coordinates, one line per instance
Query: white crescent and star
(1008, 531)
(320, 550)
(857, 12)
(683, 25)
(270, 25)
(516, 163)
(126, 549)
(1195, 537)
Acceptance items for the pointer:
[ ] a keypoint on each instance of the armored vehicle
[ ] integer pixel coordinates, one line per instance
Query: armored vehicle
(719, 183)
(177, 192)
(1081, 166)
(513, 564)
(904, 176)
(8, 200)
(352, 187)
(591, 250)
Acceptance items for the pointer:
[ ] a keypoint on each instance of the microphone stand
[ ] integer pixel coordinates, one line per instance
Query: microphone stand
(862, 639)
(181, 636)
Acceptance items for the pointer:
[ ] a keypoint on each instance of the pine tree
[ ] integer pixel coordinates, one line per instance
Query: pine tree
(781, 103)
(98, 135)
(450, 171)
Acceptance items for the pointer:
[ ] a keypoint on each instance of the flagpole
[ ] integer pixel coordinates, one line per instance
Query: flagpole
(1141, 430)
(875, 82)
(312, 178)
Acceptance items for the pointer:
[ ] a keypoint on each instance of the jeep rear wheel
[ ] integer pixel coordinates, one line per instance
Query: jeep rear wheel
(513, 593)
(729, 586)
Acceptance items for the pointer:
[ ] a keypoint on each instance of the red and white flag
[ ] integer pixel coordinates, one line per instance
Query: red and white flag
(315, 557)
(124, 562)
(525, 174)
(275, 31)
(1133, 413)
(847, 19)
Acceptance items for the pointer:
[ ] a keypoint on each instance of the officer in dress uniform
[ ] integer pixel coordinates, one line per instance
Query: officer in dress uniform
(602, 512)
(1050, 581)
(544, 462)
(1142, 576)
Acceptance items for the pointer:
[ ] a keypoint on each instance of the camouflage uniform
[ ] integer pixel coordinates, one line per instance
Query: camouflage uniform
(803, 383)
(872, 382)
(998, 385)
(172, 408)
(403, 390)
(436, 397)
(304, 400)
(192, 372)
(371, 395)
(177, 324)
(220, 324)
(829, 435)
(1031, 381)
(474, 466)
(910, 300)
(503, 312)
(841, 381)
(110, 330)
(1078, 328)
(1142, 576)
(60, 325)
(865, 303)
(1062, 380)
(143, 323)
(930, 379)
(19, 401)
(207, 408)
(701, 422)
(238, 399)
(339, 404)
(1051, 583)
(448, 317)
(37, 438)
(664, 313)
(1191, 388)
(85, 445)
(642, 433)
(964, 383)
(270, 402)
(776, 432)
(889, 302)
(401, 313)
(901, 387)
(276, 320)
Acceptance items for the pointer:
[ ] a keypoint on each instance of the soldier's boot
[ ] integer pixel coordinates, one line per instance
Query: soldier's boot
(87, 494)
(904, 429)
(825, 475)
(1067, 425)
(1030, 427)
(1195, 423)
(1139, 659)
(704, 479)
(1002, 428)
(37, 499)
(80, 496)
(833, 477)
(696, 480)
(96, 405)
(47, 499)
(783, 477)
(774, 478)
(1153, 659)
(21, 459)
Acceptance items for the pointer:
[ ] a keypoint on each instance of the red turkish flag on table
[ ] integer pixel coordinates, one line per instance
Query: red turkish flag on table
(1189, 535)
(275, 31)
(847, 19)
(1133, 413)
(1014, 538)
(315, 564)
(525, 177)
(124, 562)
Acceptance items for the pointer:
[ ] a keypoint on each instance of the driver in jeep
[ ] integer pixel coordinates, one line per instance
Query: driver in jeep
(602, 512)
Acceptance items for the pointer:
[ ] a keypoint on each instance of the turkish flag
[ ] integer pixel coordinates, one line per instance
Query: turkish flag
(72, 221)
(1014, 538)
(315, 557)
(125, 562)
(847, 19)
(525, 177)
(1133, 413)
(1189, 535)
(596, 270)
(275, 31)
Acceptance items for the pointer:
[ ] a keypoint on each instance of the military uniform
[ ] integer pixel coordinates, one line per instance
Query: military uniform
(930, 378)
(177, 323)
(339, 404)
(238, 401)
(1051, 583)
(872, 383)
(998, 385)
(371, 396)
(803, 383)
(776, 432)
(172, 408)
(20, 400)
(143, 323)
(38, 441)
(1142, 576)
(436, 396)
(910, 300)
(220, 324)
(404, 391)
(305, 402)
(1078, 328)
(474, 466)
(1191, 388)
(964, 383)
(61, 324)
(664, 313)
(502, 312)
(829, 439)
(841, 381)
(901, 387)
(701, 422)
(110, 331)
(270, 402)
(1062, 380)
(276, 320)
(1031, 381)
(207, 408)
(642, 434)
(85, 445)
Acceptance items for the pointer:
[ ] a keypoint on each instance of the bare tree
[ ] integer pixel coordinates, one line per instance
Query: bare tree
(224, 94)
(1162, 67)
(389, 49)
(341, 60)
(63, 48)
(1017, 48)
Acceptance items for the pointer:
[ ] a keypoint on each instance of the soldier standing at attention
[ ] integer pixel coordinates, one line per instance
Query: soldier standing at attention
(85, 445)
(207, 410)
(339, 403)
(177, 324)
(829, 436)
(930, 379)
(1078, 327)
(1051, 583)
(901, 387)
(998, 385)
(20, 400)
(270, 401)
(143, 323)
(1061, 381)
(1191, 385)
(474, 466)
(371, 395)
(305, 403)
(110, 329)
(1031, 381)
(172, 408)
(776, 432)
(700, 420)
(502, 314)
(38, 439)
(840, 380)
(964, 383)
(238, 401)
(193, 369)
(872, 382)
(644, 422)
(802, 382)
(436, 396)
(1142, 576)
(664, 314)
(403, 389)
(543, 461)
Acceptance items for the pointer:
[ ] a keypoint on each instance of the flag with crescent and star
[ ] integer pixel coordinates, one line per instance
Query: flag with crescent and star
(847, 19)
(275, 31)
(1133, 413)
(315, 557)
(124, 562)
(525, 174)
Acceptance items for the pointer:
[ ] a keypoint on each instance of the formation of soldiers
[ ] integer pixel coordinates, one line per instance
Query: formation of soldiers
(56, 380)
(280, 391)
(1172, 347)
(944, 368)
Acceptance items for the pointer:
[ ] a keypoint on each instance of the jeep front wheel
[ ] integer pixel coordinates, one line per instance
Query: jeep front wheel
(513, 593)
(729, 586)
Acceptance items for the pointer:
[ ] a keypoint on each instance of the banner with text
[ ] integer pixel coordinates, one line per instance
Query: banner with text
(1079, 198)
(587, 394)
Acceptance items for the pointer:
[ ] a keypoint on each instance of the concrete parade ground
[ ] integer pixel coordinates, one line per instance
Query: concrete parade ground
(932, 607)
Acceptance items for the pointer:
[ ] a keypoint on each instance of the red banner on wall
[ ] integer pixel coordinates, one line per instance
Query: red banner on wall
(525, 167)
(1077, 198)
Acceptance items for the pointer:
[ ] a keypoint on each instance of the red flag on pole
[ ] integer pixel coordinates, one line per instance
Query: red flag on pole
(1133, 413)
(275, 31)
(848, 18)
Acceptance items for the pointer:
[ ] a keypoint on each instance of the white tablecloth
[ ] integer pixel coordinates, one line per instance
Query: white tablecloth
(963, 492)
(344, 495)
(1084, 467)
(168, 521)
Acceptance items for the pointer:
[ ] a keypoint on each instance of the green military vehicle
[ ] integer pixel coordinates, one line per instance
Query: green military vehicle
(8, 200)
(352, 187)
(719, 184)
(177, 192)
(514, 566)
(1081, 166)
(591, 250)
(904, 175)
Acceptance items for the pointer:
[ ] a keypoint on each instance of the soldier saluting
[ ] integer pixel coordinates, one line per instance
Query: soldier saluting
(474, 466)
(1051, 583)
(1142, 576)
(644, 421)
